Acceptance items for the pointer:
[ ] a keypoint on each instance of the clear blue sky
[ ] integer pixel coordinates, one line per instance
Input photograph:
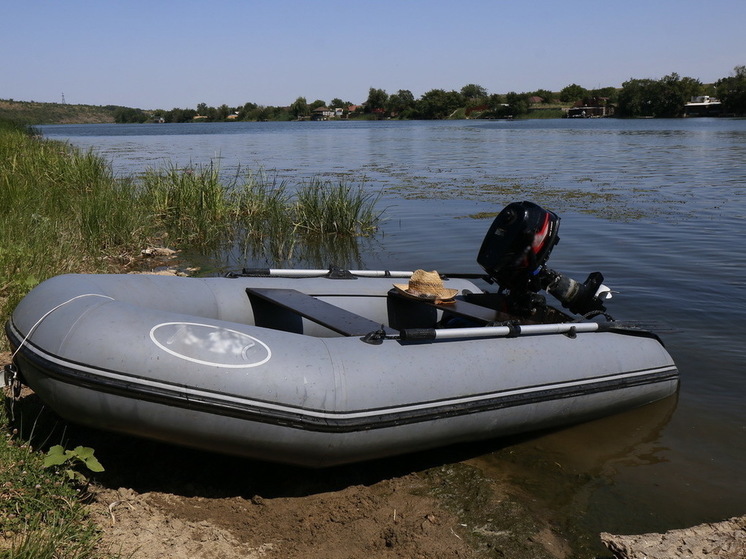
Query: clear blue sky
(169, 53)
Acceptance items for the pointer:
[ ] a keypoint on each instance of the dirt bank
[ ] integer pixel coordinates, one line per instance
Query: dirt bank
(158, 501)
(381, 520)
(721, 540)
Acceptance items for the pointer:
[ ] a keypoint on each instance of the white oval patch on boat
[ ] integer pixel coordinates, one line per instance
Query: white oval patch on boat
(210, 345)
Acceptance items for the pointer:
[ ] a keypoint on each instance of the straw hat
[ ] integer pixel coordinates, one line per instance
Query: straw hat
(426, 285)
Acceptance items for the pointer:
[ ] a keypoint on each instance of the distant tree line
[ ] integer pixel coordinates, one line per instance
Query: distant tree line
(664, 97)
(732, 91)
(667, 96)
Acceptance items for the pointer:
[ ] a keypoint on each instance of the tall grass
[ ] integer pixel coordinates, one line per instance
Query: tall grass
(63, 210)
(263, 205)
(191, 204)
(318, 222)
(325, 208)
(266, 225)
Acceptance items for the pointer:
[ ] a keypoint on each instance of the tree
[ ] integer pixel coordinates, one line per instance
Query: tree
(518, 102)
(610, 93)
(276, 113)
(211, 113)
(732, 91)
(636, 98)
(223, 111)
(497, 107)
(473, 91)
(178, 115)
(376, 100)
(438, 104)
(248, 112)
(124, 115)
(299, 108)
(546, 95)
(573, 92)
(672, 93)
(664, 98)
(400, 102)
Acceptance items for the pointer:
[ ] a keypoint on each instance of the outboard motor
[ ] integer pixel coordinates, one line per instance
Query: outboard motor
(514, 254)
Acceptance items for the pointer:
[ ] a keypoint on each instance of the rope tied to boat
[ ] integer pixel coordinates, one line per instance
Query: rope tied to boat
(13, 378)
(13, 383)
(50, 311)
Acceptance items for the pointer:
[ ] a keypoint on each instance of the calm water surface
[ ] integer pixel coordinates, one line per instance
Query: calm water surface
(658, 206)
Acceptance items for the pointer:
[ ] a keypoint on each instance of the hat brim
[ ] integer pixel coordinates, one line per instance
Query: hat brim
(445, 295)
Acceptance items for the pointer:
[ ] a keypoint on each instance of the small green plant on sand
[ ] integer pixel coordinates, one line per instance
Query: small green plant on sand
(41, 513)
(58, 456)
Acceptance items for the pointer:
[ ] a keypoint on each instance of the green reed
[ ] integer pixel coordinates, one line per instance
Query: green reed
(265, 224)
(326, 208)
(191, 204)
(262, 206)
(63, 210)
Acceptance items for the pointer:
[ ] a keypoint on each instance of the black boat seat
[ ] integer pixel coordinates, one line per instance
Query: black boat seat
(282, 309)
(409, 312)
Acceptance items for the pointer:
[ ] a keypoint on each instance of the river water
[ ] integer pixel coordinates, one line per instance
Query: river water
(658, 206)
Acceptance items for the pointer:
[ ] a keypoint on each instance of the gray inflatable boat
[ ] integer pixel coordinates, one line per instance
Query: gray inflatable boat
(319, 368)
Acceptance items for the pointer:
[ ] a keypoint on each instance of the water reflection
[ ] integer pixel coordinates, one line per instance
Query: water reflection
(295, 251)
(573, 470)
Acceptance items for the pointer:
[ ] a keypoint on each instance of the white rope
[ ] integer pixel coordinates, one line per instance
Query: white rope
(46, 314)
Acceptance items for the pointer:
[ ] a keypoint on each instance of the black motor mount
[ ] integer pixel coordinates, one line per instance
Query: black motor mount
(514, 254)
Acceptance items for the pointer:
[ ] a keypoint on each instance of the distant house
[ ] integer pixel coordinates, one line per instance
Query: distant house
(322, 113)
(593, 107)
(703, 105)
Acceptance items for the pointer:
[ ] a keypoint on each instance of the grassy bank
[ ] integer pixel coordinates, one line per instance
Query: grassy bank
(41, 512)
(63, 210)
(32, 112)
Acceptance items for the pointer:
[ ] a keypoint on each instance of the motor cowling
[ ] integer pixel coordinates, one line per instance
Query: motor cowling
(514, 254)
(518, 244)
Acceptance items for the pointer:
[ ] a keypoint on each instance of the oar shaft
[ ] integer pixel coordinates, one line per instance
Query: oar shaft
(497, 331)
(293, 273)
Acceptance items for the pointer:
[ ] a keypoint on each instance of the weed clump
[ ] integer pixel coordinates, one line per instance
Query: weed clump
(63, 210)
(41, 513)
